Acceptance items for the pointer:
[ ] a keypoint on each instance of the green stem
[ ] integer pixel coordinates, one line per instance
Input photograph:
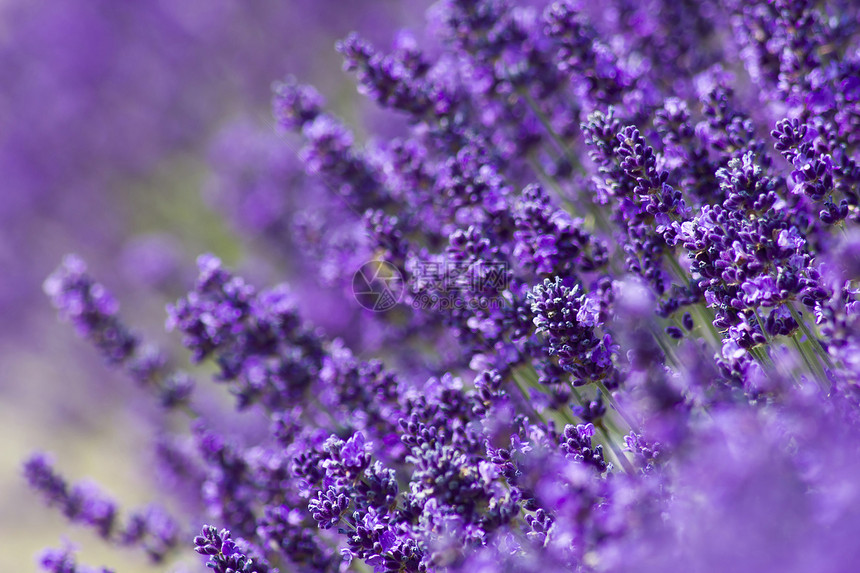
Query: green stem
(562, 145)
(813, 371)
(701, 312)
(680, 273)
(616, 452)
(544, 176)
(671, 359)
(761, 325)
(706, 318)
(615, 406)
(762, 358)
(567, 414)
(816, 345)
(526, 398)
(529, 374)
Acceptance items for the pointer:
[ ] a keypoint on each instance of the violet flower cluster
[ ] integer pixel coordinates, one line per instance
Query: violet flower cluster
(637, 227)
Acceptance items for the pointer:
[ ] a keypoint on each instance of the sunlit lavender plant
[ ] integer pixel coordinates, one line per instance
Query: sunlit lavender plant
(647, 360)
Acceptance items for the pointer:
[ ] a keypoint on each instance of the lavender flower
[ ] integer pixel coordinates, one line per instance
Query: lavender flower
(567, 317)
(63, 561)
(151, 528)
(224, 555)
(94, 312)
(649, 337)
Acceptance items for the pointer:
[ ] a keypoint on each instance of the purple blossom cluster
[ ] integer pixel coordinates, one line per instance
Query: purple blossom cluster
(649, 214)
(150, 528)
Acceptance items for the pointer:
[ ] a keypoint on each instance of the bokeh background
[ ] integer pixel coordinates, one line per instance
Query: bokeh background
(127, 132)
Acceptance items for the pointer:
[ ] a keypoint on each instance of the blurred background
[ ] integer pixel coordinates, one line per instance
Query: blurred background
(138, 135)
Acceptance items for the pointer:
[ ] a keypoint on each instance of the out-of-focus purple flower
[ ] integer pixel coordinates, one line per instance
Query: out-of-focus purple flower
(152, 261)
(63, 561)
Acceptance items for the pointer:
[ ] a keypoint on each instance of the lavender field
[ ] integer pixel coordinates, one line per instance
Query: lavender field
(465, 286)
